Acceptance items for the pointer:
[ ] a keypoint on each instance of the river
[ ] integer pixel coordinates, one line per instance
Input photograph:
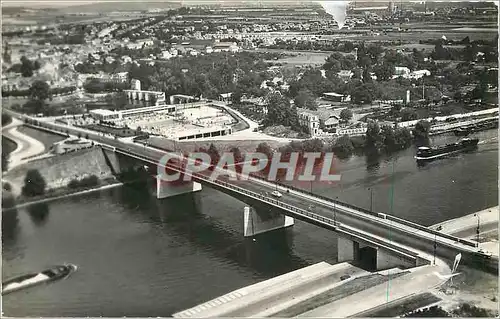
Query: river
(137, 256)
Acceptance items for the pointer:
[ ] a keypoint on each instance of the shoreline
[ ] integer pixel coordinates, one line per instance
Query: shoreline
(53, 198)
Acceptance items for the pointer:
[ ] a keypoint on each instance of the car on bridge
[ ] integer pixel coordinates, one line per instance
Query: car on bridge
(276, 194)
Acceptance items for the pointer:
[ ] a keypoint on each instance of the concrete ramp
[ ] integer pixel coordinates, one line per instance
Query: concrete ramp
(265, 298)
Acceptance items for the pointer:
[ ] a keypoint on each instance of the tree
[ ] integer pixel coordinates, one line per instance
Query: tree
(118, 100)
(213, 152)
(440, 53)
(408, 114)
(305, 99)
(364, 92)
(346, 115)
(39, 90)
(238, 157)
(367, 78)
(280, 112)
(385, 71)
(34, 106)
(388, 138)
(6, 119)
(34, 183)
(26, 67)
(7, 58)
(421, 132)
(5, 162)
(343, 147)
(374, 139)
(264, 148)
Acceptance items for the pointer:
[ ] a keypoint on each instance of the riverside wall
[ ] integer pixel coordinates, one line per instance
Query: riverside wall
(59, 170)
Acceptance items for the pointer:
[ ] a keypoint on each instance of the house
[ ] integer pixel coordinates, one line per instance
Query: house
(335, 97)
(345, 75)
(120, 77)
(225, 47)
(225, 97)
(166, 55)
(419, 74)
(310, 121)
(126, 59)
(332, 122)
(401, 71)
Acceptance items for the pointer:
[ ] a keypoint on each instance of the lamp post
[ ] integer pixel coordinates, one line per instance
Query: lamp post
(435, 248)
(371, 199)
(335, 210)
(477, 229)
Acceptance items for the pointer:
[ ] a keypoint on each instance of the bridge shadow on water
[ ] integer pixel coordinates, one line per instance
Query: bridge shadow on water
(267, 255)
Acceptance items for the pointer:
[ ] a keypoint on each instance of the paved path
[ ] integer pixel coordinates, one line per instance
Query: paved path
(420, 280)
(26, 145)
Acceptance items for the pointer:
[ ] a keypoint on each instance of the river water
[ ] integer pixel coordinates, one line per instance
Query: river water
(137, 256)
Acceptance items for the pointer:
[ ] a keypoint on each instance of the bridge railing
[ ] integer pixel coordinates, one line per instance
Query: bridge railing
(306, 213)
(432, 231)
(375, 214)
(321, 218)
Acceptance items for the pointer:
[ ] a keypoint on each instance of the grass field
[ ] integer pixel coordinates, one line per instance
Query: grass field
(190, 146)
(120, 132)
(46, 138)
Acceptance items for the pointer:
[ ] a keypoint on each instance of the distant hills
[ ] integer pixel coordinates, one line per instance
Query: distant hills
(104, 6)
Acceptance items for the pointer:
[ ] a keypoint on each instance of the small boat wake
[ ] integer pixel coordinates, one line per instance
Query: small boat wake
(489, 140)
(33, 279)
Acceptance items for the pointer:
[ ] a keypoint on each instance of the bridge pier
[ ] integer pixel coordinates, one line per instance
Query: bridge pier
(255, 223)
(168, 189)
(374, 258)
(347, 250)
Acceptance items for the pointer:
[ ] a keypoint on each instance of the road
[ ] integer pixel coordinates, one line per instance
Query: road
(390, 231)
(26, 145)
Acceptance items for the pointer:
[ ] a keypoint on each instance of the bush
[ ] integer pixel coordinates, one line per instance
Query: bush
(85, 182)
(73, 184)
(7, 187)
(34, 183)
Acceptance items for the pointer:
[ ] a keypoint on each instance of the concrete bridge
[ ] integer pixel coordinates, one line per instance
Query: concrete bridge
(386, 241)
(381, 240)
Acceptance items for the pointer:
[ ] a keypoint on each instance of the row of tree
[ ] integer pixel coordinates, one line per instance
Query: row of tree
(26, 67)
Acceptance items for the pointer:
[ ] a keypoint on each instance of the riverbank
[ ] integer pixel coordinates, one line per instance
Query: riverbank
(60, 193)
(483, 292)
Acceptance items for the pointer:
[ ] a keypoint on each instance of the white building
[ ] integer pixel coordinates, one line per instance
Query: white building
(419, 74)
(401, 71)
(310, 121)
(336, 97)
(104, 115)
(345, 75)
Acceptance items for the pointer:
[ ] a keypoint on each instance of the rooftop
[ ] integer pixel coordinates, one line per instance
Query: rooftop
(102, 112)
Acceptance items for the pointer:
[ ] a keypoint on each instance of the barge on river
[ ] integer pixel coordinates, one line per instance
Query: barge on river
(32, 279)
(432, 153)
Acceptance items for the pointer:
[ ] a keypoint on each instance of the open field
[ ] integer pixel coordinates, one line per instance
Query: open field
(46, 138)
(190, 146)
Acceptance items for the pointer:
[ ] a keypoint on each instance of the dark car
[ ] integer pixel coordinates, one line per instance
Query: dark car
(344, 277)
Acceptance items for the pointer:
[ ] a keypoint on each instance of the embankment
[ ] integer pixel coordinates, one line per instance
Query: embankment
(59, 170)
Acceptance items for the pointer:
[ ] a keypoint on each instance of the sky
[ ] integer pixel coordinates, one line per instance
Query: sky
(63, 3)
